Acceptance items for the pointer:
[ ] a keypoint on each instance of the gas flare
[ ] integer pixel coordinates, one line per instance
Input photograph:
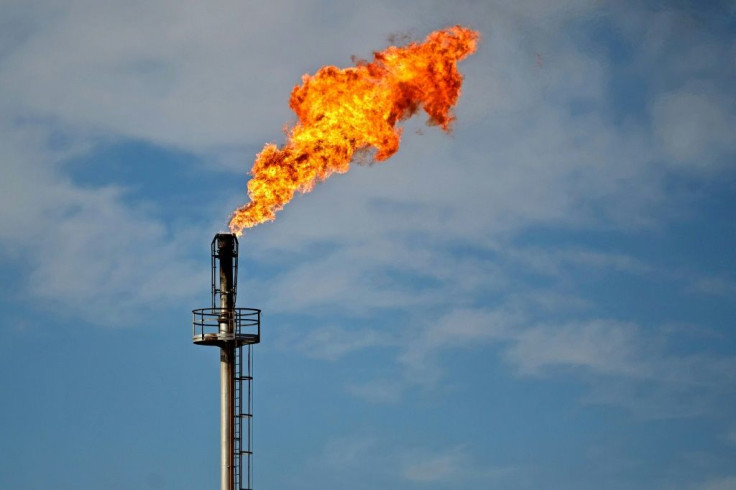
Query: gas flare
(341, 111)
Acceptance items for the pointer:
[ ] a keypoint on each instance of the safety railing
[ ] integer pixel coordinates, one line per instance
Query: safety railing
(219, 325)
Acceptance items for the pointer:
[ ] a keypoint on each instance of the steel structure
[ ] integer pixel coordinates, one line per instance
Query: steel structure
(234, 331)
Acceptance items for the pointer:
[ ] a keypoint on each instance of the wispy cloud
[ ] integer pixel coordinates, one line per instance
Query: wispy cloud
(692, 120)
(387, 460)
(622, 364)
(332, 342)
(435, 467)
(603, 347)
(452, 465)
(626, 366)
(381, 391)
(715, 286)
(348, 451)
(89, 253)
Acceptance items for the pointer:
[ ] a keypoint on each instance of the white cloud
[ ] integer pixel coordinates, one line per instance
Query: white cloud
(552, 262)
(87, 253)
(604, 347)
(332, 342)
(195, 76)
(691, 122)
(622, 364)
(626, 366)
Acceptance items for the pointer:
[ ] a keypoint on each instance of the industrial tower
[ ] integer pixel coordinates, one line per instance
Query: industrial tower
(234, 331)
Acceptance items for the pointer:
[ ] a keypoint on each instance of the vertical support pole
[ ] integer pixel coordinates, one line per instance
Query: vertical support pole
(226, 417)
(225, 249)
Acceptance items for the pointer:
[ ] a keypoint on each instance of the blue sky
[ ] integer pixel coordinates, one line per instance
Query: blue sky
(543, 299)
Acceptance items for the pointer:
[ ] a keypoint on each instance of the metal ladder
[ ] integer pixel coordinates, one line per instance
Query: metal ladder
(243, 419)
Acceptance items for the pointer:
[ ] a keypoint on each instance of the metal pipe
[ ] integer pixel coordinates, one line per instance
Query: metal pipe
(226, 251)
(226, 417)
(226, 248)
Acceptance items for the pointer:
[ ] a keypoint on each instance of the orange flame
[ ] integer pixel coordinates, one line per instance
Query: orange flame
(341, 111)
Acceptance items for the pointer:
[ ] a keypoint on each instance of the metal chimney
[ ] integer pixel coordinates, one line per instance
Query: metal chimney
(234, 331)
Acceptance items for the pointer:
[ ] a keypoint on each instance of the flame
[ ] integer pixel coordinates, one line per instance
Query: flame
(341, 111)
